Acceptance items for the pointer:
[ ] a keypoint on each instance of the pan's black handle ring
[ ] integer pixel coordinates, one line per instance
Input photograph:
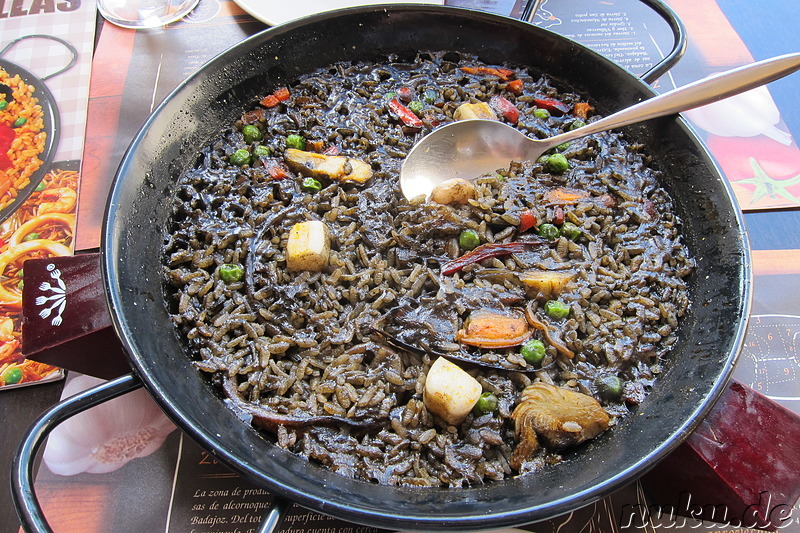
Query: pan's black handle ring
(29, 511)
(665, 12)
(67, 44)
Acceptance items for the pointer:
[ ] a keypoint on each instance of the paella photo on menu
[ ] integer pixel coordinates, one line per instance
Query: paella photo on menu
(39, 177)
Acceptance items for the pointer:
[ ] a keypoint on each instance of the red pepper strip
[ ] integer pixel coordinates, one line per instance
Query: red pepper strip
(269, 101)
(502, 73)
(508, 110)
(527, 220)
(253, 116)
(405, 114)
(515, 86)
(405, 93)
(282, 94)
(582, 110)
(558, 215)
(276, 169)
(7, 136)
(551, 104)
(486, 251)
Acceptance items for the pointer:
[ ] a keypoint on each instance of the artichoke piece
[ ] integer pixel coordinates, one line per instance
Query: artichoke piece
(559, 417)
(547, 283)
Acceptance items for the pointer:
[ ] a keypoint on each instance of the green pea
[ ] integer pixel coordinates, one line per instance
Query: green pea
(533, 351)
(389, 95)
(430, 96)
(295, 141)
(20, 122)
(31, 236)
(240, 157)
(549, 231)
(230, 273)
(556, 164)
(12, 375)
(311, 185)
(543, 114)
(575, 124)
(251, 133)
(556, 309)
(571, 231)
(3, 104)
(487, 403)
(261, 151)
(609, 387)
(416, 107)
(469, 239)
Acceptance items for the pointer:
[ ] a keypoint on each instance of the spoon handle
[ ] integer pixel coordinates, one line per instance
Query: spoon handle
(696, 94)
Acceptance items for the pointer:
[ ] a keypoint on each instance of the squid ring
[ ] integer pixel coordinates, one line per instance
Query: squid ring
(28, 227)
(14, 298)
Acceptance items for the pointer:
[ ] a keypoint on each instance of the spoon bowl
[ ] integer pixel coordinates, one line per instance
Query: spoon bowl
(471, 148)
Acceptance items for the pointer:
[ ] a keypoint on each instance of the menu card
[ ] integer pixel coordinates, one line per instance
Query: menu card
(45, 63)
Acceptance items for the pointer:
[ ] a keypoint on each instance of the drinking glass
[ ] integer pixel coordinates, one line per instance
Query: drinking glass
(144, 13)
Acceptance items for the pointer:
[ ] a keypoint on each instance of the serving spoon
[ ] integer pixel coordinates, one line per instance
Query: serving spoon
(471, 148)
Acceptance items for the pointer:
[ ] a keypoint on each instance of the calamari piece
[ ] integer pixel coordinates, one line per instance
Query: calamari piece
(559, 417)
(478, 110)
(450, 392)
(333, 167)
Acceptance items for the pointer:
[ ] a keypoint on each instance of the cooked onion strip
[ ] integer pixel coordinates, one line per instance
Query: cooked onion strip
(534, 321)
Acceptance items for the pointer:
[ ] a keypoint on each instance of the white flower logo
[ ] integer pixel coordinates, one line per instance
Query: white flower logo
(57, 300)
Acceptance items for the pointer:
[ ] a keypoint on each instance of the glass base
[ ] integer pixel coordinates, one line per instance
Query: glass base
(142, 14)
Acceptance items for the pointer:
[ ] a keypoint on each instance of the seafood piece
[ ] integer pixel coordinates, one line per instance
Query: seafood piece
(478, 110)
(559, 417)
(334, 167)
(453, 191)
(308, 247)
(450, 393)
(486, 328)
(547, 282)
(60, 200)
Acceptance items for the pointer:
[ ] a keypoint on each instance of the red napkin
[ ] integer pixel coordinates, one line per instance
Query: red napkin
(66, 322)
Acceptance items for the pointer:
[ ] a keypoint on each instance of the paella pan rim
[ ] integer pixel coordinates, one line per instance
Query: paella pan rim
(711, 334)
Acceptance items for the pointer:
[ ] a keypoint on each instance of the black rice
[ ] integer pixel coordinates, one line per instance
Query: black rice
(335, 361)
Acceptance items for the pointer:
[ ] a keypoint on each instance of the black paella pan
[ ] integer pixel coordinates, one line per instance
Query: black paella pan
(139, 207)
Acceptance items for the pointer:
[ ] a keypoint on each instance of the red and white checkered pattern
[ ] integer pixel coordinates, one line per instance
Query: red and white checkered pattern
(44, 57)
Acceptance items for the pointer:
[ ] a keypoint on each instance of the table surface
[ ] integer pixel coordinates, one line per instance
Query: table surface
(767, 230)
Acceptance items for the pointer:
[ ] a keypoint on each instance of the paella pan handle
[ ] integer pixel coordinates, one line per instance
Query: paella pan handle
(28, 508)
(665, 12)
(67, 44)
(30, 512)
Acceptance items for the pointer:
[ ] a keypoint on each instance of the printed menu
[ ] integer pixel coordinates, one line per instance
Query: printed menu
(45, 63)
